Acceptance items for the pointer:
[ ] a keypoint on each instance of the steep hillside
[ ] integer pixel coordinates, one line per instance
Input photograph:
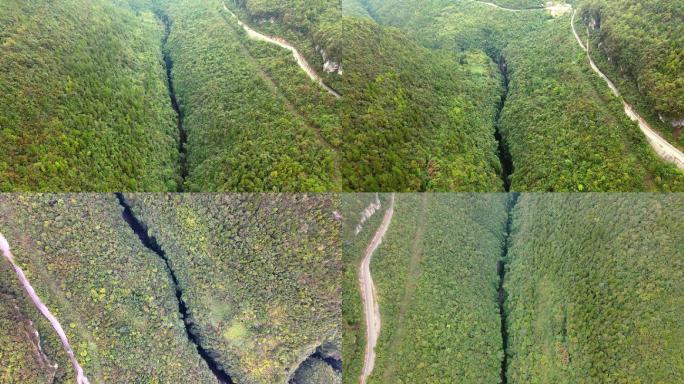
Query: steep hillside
(112, 296)
(644, 41)
(408, 118)
(595, 289)
(83, 99)
(562, 128)
(259, 275)
(436, 281)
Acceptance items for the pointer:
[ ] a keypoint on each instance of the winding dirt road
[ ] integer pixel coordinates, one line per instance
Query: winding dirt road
(5, 249)
(371, 308)
(662, 147)
(301, 61)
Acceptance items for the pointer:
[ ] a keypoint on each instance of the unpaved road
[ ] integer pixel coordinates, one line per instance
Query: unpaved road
(555, 9)
(662, 147)
(5, 249)
(371, 308)
(301, 61)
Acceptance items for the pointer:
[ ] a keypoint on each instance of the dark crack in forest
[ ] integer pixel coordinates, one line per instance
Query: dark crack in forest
(151, 243)
(501, 269)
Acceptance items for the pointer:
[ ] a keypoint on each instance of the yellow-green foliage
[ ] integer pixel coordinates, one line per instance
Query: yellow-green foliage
(30, 352)
(259, 274)
(112, 295)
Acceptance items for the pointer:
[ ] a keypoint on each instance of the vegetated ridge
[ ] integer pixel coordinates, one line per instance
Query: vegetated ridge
(661, 146)
(151, 243)
(5, 249)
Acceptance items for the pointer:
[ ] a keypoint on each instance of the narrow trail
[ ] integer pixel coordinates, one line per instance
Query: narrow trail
(414, 272)
(371, 308)
(301, 61)
(5, 249)
(150, 243)
(662, 147)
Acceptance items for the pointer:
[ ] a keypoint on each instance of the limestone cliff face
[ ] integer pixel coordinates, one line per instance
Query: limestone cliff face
(330, 64)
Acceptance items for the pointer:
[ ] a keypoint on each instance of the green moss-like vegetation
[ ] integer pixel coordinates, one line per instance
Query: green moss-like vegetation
(112, 295)
(259, 274)
(596, 289)
(83, 99)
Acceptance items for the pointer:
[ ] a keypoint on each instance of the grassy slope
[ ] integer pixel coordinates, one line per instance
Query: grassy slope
(83, 99)
(259, 273)
(112, 296)
(595, 289)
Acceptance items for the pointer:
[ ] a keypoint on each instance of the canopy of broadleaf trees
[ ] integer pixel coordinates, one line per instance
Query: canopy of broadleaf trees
(589, 295)
(84, 101)
(259, 276)
(564, 129)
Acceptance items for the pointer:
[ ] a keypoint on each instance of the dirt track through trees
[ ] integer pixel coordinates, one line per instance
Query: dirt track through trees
(371, 308)
(5, 249)
(279, 41)
(662, 147)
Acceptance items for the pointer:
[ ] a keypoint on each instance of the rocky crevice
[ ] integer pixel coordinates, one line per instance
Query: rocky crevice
(150, 243)
(501, 270)
(503, 148)
(182, 133)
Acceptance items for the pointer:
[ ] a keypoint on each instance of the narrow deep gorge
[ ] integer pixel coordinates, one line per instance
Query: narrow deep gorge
(501, 270)
(151, 243)
(503, 150)
(182, 133)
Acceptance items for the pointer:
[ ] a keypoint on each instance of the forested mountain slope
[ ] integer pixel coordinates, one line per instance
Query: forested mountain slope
(595, 289)
(239, 288)
(111, 295)
(408, 118)
(563, 129)
(243, 133)
(436, 281)
(644, 41)
(30, 352)
(259, 275)
(83, 98)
